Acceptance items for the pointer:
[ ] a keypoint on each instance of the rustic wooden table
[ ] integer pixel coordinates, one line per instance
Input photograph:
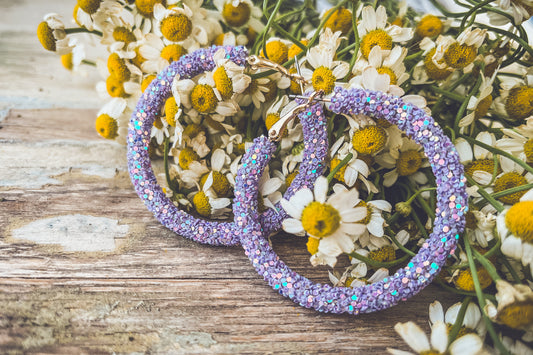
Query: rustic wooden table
(85, 268)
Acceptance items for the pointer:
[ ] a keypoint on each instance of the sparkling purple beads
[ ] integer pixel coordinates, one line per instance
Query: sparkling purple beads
(421, 269)
(145, 183)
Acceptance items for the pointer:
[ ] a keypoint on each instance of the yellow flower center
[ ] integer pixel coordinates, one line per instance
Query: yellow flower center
(176, 28)
(369, 140)
(517, 315)
(519, 103)
(507, 181)
(429, 26)
(236, 16)
(430, 352)
(89, 6)
(383, 254)
(460, 55)
(483, 107)
(66, 61)
(46, 36)
(368, 216)
(312, 245)
(171, 109)
(320, 219)
(290, 177)
(340, 20)
(482, 165)
(192, 130)
(221, 185)
(339, 175)
(375, 38)
(465, 282)
(146, 81)
(219, 40)
(519, 220)
(432, 71)
(294, 50)
(201, 204)
(173, 52)
(115, 87)
(528, 150)
(106, 126)
(158, 123)
(187, 156)
(146, 7)
(223, 83)
(117, 68)
(123, 34)
(323, 79)
(462, 331)
(203, 98)
(390, 73)
(408, 162)
(277, 52)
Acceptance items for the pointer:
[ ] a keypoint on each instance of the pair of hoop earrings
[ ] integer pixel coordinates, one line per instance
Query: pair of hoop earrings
(252, 228)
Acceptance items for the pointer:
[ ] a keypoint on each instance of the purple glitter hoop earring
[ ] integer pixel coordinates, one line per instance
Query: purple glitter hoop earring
(142, 176)
(421, 269)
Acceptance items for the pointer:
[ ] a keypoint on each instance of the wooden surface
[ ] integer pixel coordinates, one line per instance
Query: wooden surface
(85, 268)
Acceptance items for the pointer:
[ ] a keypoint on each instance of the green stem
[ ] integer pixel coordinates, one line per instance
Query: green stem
(419, 224)
(342, 163)
(462, 109)
(459, 320)
(321, 25)
(512, 190)
(461, 292)
(448, 94)
(88, 62)
(288, 36)
(356, 40)
(481, 300)
(495, 248)
(268, 25)
(487, 265)
(82, 30)
(472, 11)
(400, 246)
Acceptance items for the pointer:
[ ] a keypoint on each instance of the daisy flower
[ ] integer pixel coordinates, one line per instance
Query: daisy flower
(331, 221)
(478, 161)
(388, 62)
(293, 132)
(405, 160)
(112, 120)
(515, 307)
(51, 33)
(354, 169)
(223, 178)
(415, 337)
(514, 102)
(479, 227)
(159, 130)
(459, 53)
(143, 13)
(515, 227)
(240, 14)
(227, 78)
(521, 10)
(326, 71)
(206, 202)
(92, 14)
(472, 321)
(379, 275)
(373, 31)
(518, 142)
(159, 53)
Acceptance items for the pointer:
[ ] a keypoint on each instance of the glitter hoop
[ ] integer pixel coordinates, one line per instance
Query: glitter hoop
(140, 169)
(421, 269)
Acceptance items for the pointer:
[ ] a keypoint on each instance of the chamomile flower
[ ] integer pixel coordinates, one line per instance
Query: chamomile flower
(521, 10)
(331, 221)
(277, 50)
(355, 168)
(339, 21)
(223, 178)
(51, 33)
(515, 307)
(293, 132)
(368, 140)
(429, 26)
(207, 203)
(112, 120)
(518, 142)
(240, 14)
(325, 70)
(93, 14)
(230, 39)
(373, 31)
(73, 59)
(379, 275)
(415, 337)
(472, 322)
(405, 160)
(388, 62)
(269, 193)
(143, 13)
(159, 130)
(159, 53)
(459, 53)
(373, 235)
(479, 227)
(515, 227)
(227, 78)
(121, 38)
(478, 161)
